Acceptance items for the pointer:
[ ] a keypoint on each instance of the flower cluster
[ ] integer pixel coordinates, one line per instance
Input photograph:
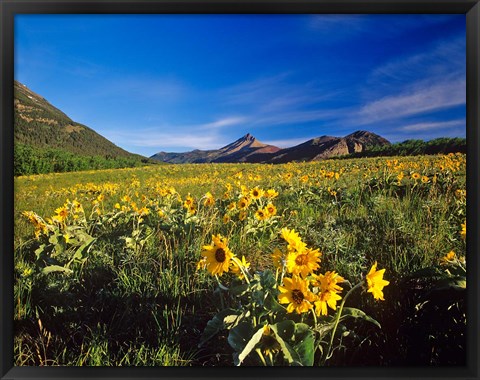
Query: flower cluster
(305, 289)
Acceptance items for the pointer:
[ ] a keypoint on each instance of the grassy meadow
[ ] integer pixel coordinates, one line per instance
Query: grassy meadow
(229, 264)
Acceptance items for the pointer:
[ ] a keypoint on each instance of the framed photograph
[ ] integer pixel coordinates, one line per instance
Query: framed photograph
(229, 188)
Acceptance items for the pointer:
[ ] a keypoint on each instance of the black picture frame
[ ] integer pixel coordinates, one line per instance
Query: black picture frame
(10, 8)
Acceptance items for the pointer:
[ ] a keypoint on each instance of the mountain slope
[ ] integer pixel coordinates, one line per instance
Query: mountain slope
(328, 146)
(249, 149)
(39, 124)
(238, 151)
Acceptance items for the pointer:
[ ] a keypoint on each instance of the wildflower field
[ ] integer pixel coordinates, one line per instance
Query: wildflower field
(332, 263)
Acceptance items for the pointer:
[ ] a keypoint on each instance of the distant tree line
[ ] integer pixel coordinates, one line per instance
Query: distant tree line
(33, 160)
(443, 145)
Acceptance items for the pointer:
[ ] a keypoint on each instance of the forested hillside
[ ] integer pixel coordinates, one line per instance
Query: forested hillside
(47, 140)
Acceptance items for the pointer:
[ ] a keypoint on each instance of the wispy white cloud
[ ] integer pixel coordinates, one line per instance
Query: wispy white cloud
(440, 59)
(420, 98)
(221, 123)
(277, 93)
(195, 136)
(429, 126)
(276, 101)
(169, 140)
(294, 117)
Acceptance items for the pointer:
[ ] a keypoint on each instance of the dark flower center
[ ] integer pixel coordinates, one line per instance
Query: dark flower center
(297, 296)
(301, 260)
(220, 255)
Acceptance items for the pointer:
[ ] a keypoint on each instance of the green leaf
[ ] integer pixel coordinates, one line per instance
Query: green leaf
(40, 250)
(56, 268)
(272, 304)
(357, 313)
(250, 345)
(53, 239)
(230, 321)
(288, 352)
(267, 279)
(285, 328)
(79, 252)
(238, 290)
(301, 329)
(305, 344)
(240, 335)
(216, 324)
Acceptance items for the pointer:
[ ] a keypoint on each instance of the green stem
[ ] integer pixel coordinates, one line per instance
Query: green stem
(223, 287)
(240, 265)
(314, 317)
(337, 319)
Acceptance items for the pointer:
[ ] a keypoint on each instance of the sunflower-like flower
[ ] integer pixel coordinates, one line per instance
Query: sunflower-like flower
(61, 214)
(294, 241)
(189, 202)
(256, 193)
(38, 223)
(271, 209)
(303, 263)
(295, 293)
(260, 214)
(326, 299)
(209, 200)
(217, 255)
(271, 193)
(243, 203)
(328, 282)
(268, 343)
(328, 294)
(376, 283)
(448, 258)
(191, 210)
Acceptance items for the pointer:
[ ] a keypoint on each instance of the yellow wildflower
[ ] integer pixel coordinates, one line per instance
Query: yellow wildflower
(217, 255)
(375, 282)
(303, 263)
(295, 293)
(294, 241)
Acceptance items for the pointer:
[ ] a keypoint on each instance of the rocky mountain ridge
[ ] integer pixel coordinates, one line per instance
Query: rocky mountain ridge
(249, 149)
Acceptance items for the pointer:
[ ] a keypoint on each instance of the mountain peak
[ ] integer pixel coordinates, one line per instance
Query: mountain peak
(367, 138)
(246, 142)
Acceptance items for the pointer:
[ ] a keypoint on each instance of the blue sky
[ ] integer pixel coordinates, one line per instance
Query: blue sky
(174, 83)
